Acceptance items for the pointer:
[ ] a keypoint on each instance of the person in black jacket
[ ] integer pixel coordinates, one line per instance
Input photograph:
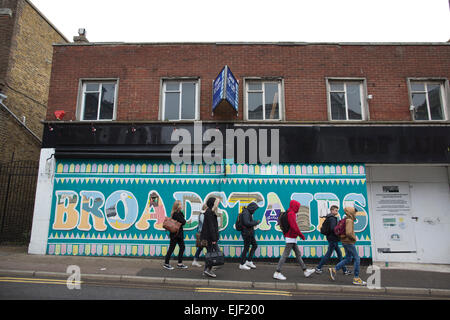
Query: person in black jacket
(176, 238)
(333, 241)
(210, 231)
(248, 235)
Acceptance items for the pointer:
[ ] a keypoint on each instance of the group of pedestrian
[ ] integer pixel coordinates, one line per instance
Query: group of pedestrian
(208, 231)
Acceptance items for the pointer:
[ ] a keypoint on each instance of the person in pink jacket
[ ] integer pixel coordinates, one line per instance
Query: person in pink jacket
(291, 242)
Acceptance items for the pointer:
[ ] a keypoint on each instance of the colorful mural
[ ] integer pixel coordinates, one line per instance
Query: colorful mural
(116, 208)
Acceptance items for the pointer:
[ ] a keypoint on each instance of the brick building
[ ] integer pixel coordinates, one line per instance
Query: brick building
(358, 124)
(26, 52)
(26, 39)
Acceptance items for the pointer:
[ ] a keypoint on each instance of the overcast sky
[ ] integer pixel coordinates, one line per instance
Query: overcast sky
(251, 20)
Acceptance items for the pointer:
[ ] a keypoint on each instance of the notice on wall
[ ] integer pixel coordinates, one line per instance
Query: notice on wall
(393, 209)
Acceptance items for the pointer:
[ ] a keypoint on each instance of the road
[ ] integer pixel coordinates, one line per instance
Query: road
(17, 288)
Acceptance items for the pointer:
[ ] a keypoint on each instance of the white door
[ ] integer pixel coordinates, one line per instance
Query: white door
(431, 204)
(394, 225)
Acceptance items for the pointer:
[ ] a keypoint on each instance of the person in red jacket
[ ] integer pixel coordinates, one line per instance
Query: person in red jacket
(291, 242)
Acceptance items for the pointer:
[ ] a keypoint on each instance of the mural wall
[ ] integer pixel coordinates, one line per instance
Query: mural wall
(116, 208)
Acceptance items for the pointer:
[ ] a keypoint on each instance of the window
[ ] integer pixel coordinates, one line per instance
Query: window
(346, 100)
(180, 100)
(99, 100)
(263, 100)
(427, 100)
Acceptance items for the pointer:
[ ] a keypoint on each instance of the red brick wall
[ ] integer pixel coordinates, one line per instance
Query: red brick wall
(303, 68)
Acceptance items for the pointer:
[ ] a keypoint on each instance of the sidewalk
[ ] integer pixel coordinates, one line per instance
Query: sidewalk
(395, 279)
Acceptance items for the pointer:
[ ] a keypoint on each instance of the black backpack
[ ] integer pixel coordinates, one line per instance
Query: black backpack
(325, 228)
(283, 222)
(238, 224)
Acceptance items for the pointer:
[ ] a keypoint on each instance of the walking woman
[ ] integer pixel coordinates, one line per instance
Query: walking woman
(176, 238)
(210, 231)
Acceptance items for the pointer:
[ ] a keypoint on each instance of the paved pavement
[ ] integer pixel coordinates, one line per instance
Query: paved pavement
(396, 279)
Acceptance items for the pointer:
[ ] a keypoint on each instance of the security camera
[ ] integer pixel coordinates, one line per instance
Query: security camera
(412, 108)
(2, 97)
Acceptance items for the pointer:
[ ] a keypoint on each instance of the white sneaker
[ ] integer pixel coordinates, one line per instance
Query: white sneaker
(250, 264)
(279, 276)
(196, 264)
(308, 272)
(244, 267)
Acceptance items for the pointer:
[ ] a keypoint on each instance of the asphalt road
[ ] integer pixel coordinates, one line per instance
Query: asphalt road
(16, 288)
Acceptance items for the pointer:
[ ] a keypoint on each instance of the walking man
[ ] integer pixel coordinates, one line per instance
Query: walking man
(248, 234)
(291, 242)
(333, 240)
(348, 241)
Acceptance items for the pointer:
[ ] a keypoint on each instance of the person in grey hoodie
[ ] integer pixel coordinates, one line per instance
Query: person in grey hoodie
(248, 235)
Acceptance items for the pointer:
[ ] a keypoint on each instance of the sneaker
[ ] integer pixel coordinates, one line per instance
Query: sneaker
(209, 273)
(196, 264)
(168, 266)
(332, 273)
(250, 264)
(181, 266)
(318, 271)
(308, 272)
(244, 267)
(358, 282)
(347, 272)
(279, 276)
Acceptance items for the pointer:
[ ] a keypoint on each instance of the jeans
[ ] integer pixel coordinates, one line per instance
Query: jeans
(173, 243)
(350, 253)
(210, 248)
(332, 246)
(248, 240)
(287, 252)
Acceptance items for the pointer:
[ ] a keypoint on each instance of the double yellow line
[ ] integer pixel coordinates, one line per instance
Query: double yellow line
(39, 281)
(244, 291)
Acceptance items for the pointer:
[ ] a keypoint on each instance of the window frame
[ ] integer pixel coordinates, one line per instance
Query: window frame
(444, 89)
(81, 97)
(162, 99)
(365, 115)
(263, 80)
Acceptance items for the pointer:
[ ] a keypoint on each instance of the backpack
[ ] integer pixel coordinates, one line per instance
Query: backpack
(283, 222)
(238, 224)
(340, 228)
(325, 229)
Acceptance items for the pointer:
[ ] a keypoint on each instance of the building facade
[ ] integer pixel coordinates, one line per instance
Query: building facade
(26, 39)
(364, 125)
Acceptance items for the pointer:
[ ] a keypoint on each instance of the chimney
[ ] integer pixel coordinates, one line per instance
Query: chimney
(81, 38)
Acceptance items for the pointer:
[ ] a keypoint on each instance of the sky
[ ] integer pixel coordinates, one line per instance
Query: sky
(251, 20)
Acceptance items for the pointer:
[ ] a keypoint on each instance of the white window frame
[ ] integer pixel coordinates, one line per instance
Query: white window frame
(81, 98)
(180, 81)
(280, 83)
(443, 84)
(362, 94)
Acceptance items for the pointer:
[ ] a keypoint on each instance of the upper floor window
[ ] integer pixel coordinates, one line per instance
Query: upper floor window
(346, 100)
(263, 100)
(180, 100)
(427, 100)
(98, 100)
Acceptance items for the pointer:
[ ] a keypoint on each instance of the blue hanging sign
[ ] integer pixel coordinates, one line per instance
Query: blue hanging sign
(226, 87)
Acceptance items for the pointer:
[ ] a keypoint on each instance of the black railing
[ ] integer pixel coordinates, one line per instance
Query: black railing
(17, 192)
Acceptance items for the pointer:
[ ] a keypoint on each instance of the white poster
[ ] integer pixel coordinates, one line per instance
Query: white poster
(393, 217)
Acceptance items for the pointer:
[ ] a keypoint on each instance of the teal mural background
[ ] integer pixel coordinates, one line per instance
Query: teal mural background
(115, 208)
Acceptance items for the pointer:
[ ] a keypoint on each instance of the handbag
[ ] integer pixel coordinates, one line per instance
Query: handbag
(200, 243)
(171, 225)
(214, 258)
